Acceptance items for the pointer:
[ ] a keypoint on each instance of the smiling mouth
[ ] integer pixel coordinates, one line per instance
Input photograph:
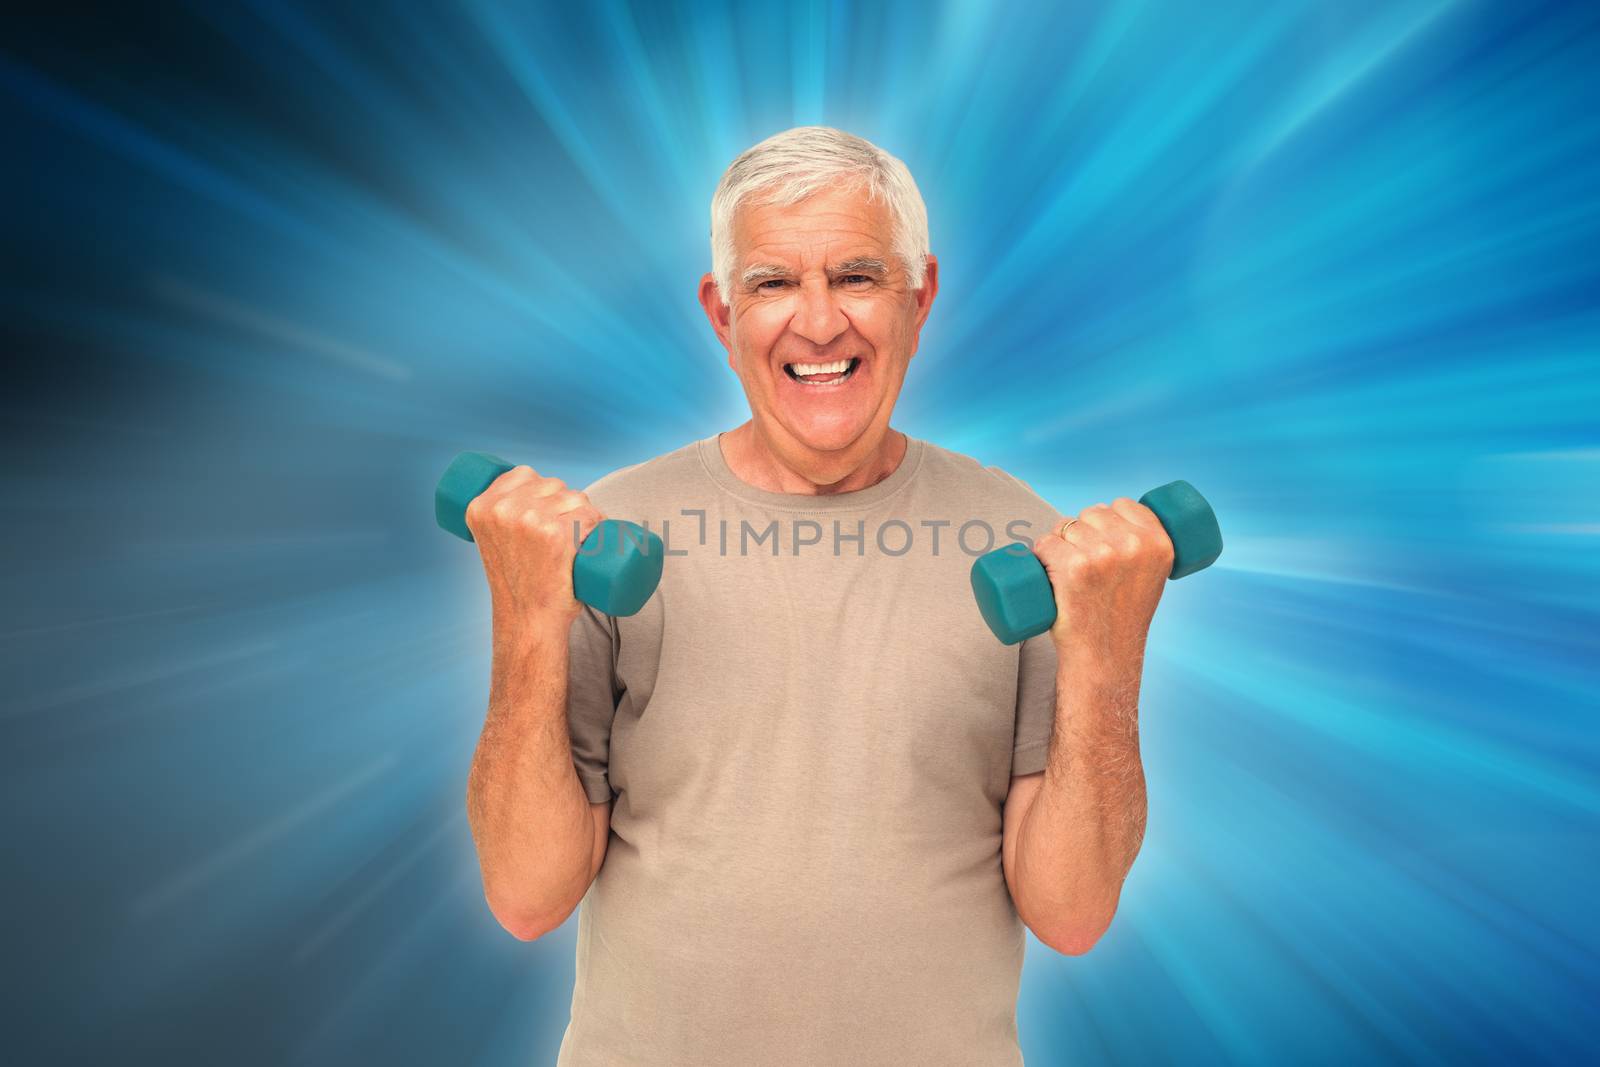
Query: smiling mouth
(835, 372)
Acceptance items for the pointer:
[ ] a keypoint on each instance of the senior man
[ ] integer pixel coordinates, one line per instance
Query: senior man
(805, 797)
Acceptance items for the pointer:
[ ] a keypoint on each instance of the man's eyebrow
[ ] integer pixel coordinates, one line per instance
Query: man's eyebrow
(761, 272)
(862, 265)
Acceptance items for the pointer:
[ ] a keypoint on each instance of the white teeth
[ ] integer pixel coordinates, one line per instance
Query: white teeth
(836, 367)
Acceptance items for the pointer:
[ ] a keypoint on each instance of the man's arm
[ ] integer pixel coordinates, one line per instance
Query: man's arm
(540, 842)
(1073, 830)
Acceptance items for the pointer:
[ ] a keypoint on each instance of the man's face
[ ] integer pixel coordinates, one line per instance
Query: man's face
(816, 285)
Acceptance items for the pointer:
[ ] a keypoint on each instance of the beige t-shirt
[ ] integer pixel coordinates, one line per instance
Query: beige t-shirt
(807, 734)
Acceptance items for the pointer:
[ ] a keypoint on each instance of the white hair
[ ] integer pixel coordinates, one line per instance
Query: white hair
(790, 166)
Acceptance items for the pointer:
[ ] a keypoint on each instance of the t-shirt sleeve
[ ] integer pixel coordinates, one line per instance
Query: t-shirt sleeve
(592, 694)
(1036, 704)
(1036, 662)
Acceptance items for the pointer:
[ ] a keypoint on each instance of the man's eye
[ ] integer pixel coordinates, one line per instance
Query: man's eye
(856, 280)
(772, 283)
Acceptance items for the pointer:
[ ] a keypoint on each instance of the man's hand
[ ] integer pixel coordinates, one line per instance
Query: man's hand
(1108, 570)
(528, 529)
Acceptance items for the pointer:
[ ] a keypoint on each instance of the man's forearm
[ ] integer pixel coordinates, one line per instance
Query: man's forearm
(1084, 828)
(530, 818)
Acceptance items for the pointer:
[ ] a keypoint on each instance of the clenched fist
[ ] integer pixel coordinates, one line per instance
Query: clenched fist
(1108, 569)
(528, 529)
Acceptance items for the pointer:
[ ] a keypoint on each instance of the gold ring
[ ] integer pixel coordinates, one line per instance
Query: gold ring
(1062, 533)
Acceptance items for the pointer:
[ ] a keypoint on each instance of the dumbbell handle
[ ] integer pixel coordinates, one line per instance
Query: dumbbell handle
(1014, 594)
(618, 566)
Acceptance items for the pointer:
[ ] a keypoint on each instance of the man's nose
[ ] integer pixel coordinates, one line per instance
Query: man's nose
(819, 318)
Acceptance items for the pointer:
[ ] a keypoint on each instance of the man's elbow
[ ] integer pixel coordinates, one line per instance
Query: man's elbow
(526, 924)
(1073, 937)
(526, 929)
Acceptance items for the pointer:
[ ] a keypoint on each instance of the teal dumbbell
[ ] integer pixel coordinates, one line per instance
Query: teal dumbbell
(1014, 593)
(618, 566)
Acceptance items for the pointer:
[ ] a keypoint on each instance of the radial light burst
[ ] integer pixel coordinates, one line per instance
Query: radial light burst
(1335, 263)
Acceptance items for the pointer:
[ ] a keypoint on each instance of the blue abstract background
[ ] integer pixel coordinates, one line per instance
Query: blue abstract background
(270, 266)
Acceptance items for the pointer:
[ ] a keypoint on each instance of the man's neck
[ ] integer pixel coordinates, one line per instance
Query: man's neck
(756, 463)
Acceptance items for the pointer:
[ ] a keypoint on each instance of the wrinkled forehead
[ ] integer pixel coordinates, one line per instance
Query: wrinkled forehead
(840, 219)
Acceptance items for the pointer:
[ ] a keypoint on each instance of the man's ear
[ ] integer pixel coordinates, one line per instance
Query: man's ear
(720, 314)
(924, 299)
